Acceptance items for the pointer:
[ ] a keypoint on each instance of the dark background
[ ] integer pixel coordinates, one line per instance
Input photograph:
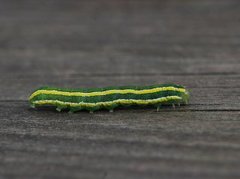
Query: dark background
(91, 43)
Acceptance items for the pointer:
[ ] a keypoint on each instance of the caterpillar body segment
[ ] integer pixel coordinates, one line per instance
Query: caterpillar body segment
(109, 98)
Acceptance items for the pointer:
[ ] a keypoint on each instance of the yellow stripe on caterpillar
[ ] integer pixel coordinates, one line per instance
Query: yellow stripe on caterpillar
(107, 92)
(108, 103)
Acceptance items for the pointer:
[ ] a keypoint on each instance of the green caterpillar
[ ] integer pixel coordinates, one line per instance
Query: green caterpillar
(93, 99)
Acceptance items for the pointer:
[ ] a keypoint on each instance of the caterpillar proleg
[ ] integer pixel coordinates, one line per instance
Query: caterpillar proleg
(93, 99)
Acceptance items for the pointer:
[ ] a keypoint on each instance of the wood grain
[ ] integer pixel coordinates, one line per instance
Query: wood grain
(93, 44)
(138, 142)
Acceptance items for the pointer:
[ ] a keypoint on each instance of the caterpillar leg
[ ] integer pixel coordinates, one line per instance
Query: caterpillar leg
(91, 112)
(59, 109)
(158, 107)
(173, 105)
(111, 110)
(33, 106)
(179, 104)
(73, 110)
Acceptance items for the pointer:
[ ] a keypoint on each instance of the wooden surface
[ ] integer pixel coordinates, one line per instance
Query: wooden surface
(91, 44)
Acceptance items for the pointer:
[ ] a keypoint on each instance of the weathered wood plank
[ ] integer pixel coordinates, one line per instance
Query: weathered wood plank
(120, 37)
(112, 61)
(29, 82)
(216, 92)
(92, 44)
(138, 143)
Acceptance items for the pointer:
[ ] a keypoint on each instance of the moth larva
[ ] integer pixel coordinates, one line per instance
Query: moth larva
(93, 99)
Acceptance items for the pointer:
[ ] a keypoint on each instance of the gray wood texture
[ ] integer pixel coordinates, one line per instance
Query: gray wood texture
(100, 43)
